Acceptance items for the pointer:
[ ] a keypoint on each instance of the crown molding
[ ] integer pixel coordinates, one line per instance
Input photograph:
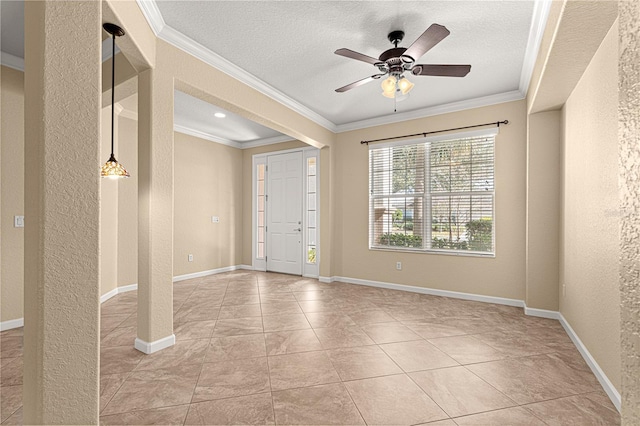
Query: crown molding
(541, 10)
(118, 109)
(240, 145)
(207, 136)
(152, 14)
(11, 61)
(266, 141)
(126, 113)
(499, 98)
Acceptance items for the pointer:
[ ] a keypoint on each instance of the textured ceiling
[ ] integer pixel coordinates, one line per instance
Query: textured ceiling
(290, 44)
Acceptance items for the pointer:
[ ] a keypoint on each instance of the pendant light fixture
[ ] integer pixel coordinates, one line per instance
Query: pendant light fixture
(112, 169)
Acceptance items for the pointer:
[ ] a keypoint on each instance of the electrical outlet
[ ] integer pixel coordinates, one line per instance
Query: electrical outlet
(399, 266)
(190, 258)
(215, 219)
(18, 221)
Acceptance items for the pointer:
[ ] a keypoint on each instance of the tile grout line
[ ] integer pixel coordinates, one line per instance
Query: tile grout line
(428, 396)
(204, 357)
(264, 338)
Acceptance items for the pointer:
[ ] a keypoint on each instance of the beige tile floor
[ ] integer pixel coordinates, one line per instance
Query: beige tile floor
(261, 348)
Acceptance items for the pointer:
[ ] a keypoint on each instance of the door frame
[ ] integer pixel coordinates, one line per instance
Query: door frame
(260, 264)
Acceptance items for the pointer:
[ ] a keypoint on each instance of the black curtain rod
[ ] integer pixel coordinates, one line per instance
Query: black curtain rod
(424, 134)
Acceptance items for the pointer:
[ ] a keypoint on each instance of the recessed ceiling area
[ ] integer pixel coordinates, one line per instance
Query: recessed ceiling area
(193, 113)
(290, 45)
(197, 117)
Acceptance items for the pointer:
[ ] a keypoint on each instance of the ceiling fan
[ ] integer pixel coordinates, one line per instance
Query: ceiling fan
(396, 61)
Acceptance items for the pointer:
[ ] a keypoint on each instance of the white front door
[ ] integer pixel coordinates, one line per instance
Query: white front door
(284, 213)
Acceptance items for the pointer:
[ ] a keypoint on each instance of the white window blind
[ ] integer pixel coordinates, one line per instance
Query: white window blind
(436, 195)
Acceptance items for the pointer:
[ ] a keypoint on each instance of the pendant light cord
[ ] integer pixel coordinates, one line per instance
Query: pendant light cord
(113, 88)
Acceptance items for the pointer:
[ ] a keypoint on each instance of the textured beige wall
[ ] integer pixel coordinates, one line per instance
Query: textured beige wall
(62, 209)
(247, 176)
(582, 26)
(546, 43)
(629, 161)
(108, 210)
(127, 154)
(139, 45)
(12, 194)
(590, 220)
(124, 72)
(208, 182)
(502, 276)
(543, 209)
(155, 205)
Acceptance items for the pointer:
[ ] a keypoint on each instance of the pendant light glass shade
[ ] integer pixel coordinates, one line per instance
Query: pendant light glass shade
(112, 169)
(389, 86)
(405, 85)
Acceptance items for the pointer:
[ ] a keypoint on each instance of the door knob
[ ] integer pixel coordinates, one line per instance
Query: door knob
(298, 229)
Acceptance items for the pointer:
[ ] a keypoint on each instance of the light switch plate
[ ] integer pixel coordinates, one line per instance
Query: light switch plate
(215, 219)
(18, 221)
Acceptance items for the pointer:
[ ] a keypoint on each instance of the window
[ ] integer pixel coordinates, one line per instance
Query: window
(311, 209)
(435, 196)
(260, 211)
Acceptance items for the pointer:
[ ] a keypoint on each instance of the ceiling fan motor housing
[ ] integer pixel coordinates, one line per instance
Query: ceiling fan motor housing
(394, 60)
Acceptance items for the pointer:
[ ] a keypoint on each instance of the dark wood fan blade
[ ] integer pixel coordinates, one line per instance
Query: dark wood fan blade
(358, 83)
(432, 36)
(441, 70)
(355, 55)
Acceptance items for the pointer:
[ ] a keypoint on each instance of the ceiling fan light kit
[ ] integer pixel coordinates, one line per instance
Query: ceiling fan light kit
(396, 61)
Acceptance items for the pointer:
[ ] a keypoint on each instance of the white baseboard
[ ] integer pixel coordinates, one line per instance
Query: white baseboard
(425, 290)
(108, 295)
(246, 267)
(542, 313)
(126, 288)
(118, 290)
(606, 384)
(206, 273)
(8, 325)
(149, 348)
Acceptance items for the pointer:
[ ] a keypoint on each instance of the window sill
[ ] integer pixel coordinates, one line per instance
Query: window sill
(432, 251)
